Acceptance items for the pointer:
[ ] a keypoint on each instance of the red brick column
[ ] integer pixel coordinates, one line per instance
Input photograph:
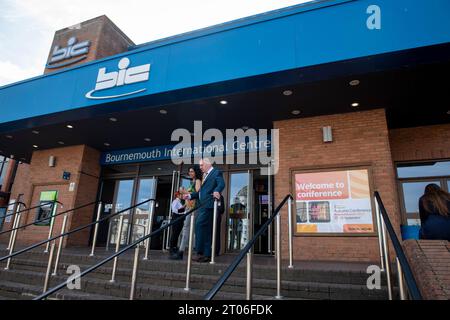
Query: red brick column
(359, 138)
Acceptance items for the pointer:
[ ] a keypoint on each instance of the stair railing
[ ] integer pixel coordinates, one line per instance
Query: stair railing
(404, 272)
(247, 251)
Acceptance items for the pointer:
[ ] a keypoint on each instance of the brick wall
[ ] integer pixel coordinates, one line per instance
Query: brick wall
(83, 164)
(360, 138)
(430, 264)
(105, 37)
(420, 143)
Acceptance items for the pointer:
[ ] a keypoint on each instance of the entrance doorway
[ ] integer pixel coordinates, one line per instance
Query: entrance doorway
(248, 207)
(247, 197)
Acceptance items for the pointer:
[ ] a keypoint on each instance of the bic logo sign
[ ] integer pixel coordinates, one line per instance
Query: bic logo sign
(123, 77)
(73, 50)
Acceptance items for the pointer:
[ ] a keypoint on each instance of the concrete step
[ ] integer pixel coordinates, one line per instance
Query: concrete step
(314, 272)
(291, 289)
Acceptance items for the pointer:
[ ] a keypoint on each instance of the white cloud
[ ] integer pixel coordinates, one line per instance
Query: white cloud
(10, 72)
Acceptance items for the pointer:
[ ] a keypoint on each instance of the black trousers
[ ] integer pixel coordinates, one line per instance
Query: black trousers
(176, 230)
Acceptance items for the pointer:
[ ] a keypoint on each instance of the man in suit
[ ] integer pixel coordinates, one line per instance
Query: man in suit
(212, 186)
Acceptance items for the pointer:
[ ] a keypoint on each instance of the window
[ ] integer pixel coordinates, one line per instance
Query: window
(413, 178)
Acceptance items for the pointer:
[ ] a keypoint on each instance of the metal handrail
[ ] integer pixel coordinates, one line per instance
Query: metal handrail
(116, 254)
(227, 273)
(49, 217)
(28, 209)
(404, 268)
(71, 231)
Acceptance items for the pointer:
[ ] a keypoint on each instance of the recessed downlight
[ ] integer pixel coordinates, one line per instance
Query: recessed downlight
(35, 146)
(147, 139)
(223, 102)
(61, 142)
(295, 112)
(106, 144)
(112, 119)
(162, 111)
(35, 132)
(354, 82)
(9, 136)
(287, 92)
(69, 126)
(245, 127)
(448, 112)
(355, 104)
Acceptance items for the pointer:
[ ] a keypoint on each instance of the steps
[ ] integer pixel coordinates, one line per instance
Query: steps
(160, 278)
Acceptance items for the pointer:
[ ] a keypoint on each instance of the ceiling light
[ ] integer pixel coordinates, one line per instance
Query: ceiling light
(106, 144)
(287, 92)
(159, 169)
(223, 101)
(148, 139)
(162, 111)
(69, 126)
(35, 146)
(245, 128)
(35, 132)
(354, 82)
(60, 142)
(113, 119)
(448, 112)
(355, 104)
(295, 112)
(9, 136)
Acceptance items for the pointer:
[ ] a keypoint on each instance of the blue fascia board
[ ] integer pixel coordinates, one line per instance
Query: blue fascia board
(305, 36)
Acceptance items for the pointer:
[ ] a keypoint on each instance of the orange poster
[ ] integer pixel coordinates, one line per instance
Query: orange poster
(321, 186)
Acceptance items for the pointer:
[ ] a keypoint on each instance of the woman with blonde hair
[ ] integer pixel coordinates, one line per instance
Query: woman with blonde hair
(434, 209)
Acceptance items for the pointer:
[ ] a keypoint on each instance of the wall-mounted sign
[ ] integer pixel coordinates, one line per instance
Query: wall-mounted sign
(185, 152)
(66, 175)
(73, 53)
(333, 202)
(124, 76)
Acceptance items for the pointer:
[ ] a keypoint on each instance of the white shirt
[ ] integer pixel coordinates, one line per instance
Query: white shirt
(176, 204)
(205, 175)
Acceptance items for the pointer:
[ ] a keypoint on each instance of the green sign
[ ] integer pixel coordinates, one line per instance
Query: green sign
(47, 208)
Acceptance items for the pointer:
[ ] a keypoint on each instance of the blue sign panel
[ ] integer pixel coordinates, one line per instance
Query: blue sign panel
(185, 152)
(297, 37)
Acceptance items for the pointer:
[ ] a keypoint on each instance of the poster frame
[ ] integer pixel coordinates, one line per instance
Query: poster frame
(322, 169)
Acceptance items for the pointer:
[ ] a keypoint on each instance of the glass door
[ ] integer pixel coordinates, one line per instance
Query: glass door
(146, 190)
(123, 200)
(239, 210)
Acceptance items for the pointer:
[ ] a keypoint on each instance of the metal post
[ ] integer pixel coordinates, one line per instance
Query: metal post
(94, 240)
(16, 204)
(249, 292)
(58, 253)
(291, 254)
(149, 228)
(49, 266)
(386, 259)
(14, 235)
(134, 275)
(52, 224)
(401, 283)
(214, 232)
(166, 235)
(269, 208)
(380, 234)
(278, 254)
(119, 236)
(189, 259)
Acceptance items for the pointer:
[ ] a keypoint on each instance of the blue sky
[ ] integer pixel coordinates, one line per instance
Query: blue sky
(27, 26)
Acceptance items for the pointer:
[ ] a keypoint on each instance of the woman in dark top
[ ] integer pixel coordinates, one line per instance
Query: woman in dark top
(434, 209)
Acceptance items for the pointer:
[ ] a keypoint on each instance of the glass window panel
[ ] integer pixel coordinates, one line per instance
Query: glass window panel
(237, 208)
(123, 201)
(146, 191)
(428, 169)
(412, 191)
